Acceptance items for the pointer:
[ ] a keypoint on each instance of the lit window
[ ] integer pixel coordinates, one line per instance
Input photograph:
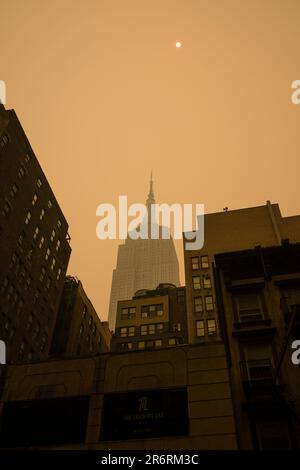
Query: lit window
(47, 254)
(28, 217)
(57, 245)
(160, 326)
(129, 346)
(144, 330)
(195, 262)
(204, 262)
(206, 282)
(58, 223)
(200, 331)
(196, 282)
(158, 343)
(53, 262)
(39, 183)
(172, 341)
(151, 329)
(131, 331)
(123, 332)
(49, 203)
(58, 274)
(52, 235)
(198, 305)
(209, 305)
(36, 232)
(211, 327)
(141, 344)
(34, 199)
(42, 214)
(41, 242)
(177, 327)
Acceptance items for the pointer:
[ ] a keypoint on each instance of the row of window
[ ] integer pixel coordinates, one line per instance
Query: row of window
(149, 344)
(198, 262)
(201, 282)
(206, 328)
(151, 329)
(199, 304)
(147, 311)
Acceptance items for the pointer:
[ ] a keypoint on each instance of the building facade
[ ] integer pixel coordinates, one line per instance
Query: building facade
(34, 247)
(258, 296)
(151, 319)
(142, 264)
(172, 398)
(78, 329)
(228, 231)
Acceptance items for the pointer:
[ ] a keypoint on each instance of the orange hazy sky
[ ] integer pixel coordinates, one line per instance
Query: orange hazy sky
(104, 96)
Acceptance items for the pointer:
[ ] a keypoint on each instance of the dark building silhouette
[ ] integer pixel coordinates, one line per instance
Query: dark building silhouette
(34, 247)
(258, 296)
(78, 329)
(151, 319)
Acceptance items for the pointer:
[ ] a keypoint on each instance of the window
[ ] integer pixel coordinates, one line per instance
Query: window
(4, 140)
(57, 245)
(36, 232)
(249, 307)
(58, 223)
(27, 158)
(144, 330)
(141, 344)
(41, 242)
(172, 341)
(200, 331)
(42, 214)
(150, 311)
(81, 330)
(34, 199)
(42, 275)
(49, 203)
(177, 327)
(204, 262)
(158, 343)
(58, 274)
(159, 326)
(39, 183)
(52, 235)
(21, 172)
(150, 344)
(198, 304)
(28, 217)
(151, 329)
(206, 282)
(128, 313)
(196, 282)
(209, 304)
(21, 238)
(47, 254)
(53, 262)
(131, 331)
(14, 190)
(129, 346)
(123, 332)
(211, 327)
(6, 209)
(84, 311)
(195, 262)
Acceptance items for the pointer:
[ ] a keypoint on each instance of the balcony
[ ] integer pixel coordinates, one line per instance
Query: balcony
(257, 374)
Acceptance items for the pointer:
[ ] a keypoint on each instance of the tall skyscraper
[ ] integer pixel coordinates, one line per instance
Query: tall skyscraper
(142, 264)
(34, 247)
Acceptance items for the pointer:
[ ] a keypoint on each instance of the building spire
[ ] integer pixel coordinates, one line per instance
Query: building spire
(150, 199)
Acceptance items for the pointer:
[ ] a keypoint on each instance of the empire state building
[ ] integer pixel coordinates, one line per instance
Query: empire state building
(142, 264)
